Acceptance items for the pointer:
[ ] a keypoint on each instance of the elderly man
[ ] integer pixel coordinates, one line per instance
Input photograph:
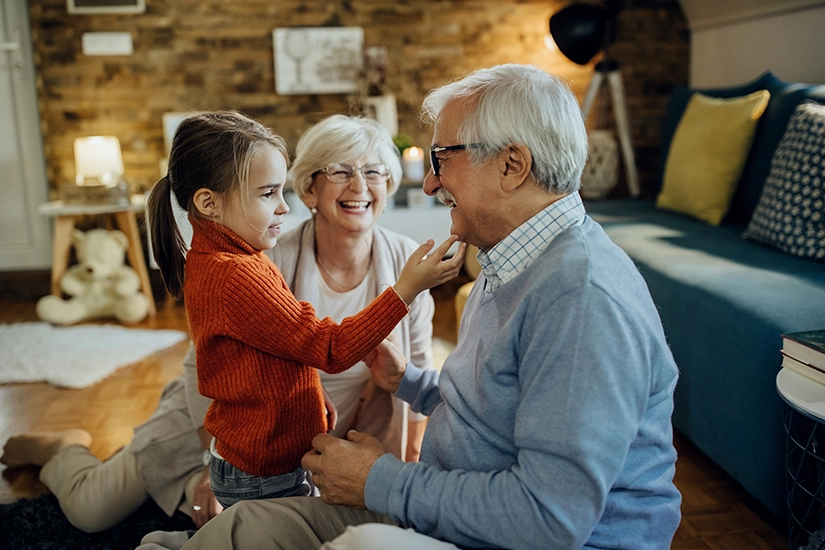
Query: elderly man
(550, 423)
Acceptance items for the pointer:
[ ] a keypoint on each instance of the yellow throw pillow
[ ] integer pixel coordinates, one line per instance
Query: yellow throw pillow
(708, 153)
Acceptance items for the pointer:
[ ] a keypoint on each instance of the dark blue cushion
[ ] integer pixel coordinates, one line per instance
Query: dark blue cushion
(678, 103)
(784, 100)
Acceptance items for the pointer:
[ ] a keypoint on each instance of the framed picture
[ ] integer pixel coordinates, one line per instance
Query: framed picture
(318, 60)
(106, 6)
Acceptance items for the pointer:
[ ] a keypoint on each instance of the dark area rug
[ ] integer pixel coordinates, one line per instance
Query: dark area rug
(39, 524)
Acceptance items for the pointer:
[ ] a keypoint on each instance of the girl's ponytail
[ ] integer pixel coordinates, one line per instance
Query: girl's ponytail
(167, 243)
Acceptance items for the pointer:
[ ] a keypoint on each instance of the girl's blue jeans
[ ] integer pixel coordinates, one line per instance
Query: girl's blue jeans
(232, 485)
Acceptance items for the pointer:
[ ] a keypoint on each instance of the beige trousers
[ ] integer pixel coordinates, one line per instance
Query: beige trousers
(97, 495)
(296, 523)
(301, 523)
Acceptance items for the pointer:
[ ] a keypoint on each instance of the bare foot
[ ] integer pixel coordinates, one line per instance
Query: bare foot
(39, 447)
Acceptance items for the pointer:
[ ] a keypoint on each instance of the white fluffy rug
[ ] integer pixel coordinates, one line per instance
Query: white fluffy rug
(74, 357)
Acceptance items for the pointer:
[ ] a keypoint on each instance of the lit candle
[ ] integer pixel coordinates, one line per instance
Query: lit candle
(413, 162)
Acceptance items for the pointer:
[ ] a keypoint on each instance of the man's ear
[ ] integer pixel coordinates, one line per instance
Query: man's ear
(207, 203)
(517, 161)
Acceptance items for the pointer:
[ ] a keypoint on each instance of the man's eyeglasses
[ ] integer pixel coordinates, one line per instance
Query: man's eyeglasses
(373, 174)
(435, 162)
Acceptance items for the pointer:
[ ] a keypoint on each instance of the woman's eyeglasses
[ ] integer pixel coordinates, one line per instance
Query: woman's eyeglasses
(373, 174)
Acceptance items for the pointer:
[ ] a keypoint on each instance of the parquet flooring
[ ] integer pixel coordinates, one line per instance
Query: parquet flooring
(716, 512)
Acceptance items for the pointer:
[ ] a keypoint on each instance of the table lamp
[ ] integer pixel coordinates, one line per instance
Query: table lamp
(581, 31)
(98, 161)
(98, 173)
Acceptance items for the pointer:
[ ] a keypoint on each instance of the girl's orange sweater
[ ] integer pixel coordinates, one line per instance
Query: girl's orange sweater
(258, 349)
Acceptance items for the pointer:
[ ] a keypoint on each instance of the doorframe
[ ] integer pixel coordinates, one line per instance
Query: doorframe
(38, 255)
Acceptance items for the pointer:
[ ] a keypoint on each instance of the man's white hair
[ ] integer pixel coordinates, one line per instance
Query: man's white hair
(519, 104)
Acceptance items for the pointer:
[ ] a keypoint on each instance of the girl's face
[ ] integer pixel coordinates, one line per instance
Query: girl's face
(353, 206)
(255, 215)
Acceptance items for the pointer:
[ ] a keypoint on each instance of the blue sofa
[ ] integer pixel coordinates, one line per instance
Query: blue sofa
(724, 302)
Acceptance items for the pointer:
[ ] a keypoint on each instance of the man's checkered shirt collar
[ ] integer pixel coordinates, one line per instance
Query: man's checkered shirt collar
(519, 249)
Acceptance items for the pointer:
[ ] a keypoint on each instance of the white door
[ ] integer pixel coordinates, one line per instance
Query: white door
(25, 238)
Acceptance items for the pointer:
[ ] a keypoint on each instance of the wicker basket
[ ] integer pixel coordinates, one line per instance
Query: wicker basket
(602, 169)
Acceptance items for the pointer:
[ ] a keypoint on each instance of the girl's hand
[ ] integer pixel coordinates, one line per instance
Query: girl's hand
(424, 271)
(204, 504)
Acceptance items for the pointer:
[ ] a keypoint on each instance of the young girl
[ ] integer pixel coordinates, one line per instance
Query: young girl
(257, 347)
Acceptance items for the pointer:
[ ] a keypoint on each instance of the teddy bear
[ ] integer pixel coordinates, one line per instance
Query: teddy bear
(100, 285)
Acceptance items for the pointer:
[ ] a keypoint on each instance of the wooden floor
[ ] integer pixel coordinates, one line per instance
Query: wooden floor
(715, 511)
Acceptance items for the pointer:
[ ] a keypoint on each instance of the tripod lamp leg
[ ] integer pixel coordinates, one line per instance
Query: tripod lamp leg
(590, 96)
(623, 126)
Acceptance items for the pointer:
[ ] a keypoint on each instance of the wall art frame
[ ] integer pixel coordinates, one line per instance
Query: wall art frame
(318, 60)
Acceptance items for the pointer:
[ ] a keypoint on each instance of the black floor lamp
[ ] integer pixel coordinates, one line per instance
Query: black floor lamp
(581, 31)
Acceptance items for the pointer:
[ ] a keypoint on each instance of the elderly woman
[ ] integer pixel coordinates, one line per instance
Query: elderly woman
(345, 168)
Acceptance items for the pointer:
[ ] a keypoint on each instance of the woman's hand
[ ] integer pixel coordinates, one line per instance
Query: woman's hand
(204, 504)
(332, 412)
(387, 365)
(424, 271)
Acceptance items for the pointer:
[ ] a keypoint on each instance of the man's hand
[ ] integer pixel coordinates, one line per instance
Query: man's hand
(387, 365)
(204, 504)
(340, 466)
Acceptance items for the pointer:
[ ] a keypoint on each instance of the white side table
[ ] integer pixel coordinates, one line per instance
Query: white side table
(66, 215)
(804, 420)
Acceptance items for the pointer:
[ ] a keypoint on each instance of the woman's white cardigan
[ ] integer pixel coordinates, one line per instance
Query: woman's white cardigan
(379, 414)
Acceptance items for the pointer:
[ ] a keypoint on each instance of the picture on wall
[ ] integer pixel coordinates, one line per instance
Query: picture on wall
(317, 60)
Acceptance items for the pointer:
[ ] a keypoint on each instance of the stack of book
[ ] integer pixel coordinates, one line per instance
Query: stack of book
(804, 353)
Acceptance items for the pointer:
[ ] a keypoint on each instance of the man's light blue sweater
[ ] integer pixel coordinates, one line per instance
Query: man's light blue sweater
(550, 423)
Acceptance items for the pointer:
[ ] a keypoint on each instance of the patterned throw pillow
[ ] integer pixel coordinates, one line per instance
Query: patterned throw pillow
(791, 211)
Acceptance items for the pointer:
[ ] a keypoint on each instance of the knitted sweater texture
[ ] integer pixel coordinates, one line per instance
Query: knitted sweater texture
(258, 349)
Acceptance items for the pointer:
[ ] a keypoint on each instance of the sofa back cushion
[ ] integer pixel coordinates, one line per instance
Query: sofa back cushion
(784, 98)
(790, 214)
(678, 102)
(707, 154)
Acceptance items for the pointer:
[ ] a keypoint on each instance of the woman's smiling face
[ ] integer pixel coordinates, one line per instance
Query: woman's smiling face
(353, 206)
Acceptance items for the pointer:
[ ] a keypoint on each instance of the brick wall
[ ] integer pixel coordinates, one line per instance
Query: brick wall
(201, 55)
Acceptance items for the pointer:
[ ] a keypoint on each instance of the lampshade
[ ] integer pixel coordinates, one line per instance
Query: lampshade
(578, 31)
(98, 161)
(581, 30)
